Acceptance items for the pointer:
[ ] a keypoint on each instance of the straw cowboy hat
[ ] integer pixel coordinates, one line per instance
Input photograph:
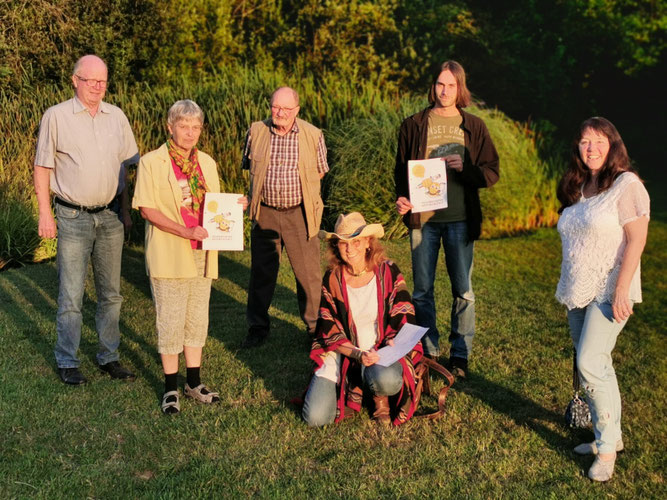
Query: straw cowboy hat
(352, 226)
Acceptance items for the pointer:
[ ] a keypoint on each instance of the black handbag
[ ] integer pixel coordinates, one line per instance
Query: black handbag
(577, 414)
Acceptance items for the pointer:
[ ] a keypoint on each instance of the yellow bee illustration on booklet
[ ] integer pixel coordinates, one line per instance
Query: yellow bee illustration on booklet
(428, 184)
(223, 220)
(432, 186)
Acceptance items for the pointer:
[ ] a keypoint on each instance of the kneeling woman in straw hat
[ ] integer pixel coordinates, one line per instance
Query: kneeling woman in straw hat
(365, 302)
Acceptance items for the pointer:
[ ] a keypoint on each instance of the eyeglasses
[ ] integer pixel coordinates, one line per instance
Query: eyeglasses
(355, 243)
(91, 82)
(278, 109)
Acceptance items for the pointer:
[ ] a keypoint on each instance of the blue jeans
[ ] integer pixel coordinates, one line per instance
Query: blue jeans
(82, 235)
(319, 406)
(425, 244)
(594, 332)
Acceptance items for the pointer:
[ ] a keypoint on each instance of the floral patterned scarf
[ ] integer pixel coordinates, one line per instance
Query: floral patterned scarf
(190, 168)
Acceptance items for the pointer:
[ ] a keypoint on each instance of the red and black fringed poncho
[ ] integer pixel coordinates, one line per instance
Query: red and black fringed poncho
(335, 326)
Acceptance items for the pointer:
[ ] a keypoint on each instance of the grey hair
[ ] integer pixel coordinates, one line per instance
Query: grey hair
(295, 94)
(184, 109)
(79, 63)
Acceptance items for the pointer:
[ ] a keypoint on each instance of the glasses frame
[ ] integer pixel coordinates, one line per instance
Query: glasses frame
(278, 109)
(92, 82)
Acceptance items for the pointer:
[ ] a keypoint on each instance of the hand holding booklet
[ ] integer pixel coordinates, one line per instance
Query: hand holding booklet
(406, 339)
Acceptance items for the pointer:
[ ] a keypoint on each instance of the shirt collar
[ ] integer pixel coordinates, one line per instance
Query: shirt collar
(79, 106)
(293, 130)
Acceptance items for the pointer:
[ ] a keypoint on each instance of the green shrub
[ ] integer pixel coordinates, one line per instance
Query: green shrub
(525, 196)
(362, 154)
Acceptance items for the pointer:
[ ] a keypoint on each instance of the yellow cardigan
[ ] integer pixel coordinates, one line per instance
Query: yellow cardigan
(168, 255)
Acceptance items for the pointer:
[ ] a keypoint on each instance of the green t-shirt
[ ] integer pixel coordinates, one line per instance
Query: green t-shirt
(445, 137)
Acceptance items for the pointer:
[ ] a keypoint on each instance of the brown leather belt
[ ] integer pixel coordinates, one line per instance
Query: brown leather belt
(280, 209)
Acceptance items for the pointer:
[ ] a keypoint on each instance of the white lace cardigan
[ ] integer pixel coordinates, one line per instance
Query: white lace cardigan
(593, 241)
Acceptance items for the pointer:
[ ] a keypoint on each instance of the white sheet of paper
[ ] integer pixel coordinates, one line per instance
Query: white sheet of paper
(223, 219)
(404, 341)
(428, 184)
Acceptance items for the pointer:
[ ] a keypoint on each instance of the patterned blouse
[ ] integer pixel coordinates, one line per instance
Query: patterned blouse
(594, 242)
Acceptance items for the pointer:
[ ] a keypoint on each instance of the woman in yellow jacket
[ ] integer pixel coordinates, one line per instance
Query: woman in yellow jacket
(170, 189)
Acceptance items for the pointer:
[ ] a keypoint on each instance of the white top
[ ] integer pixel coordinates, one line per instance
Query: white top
(594, 242)
(364, 310)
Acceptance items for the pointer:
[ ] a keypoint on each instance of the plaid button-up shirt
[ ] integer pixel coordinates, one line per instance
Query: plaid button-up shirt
(282, 186)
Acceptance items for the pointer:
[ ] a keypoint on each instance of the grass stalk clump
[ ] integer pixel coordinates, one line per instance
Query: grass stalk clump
(18, 231)
(525, 196)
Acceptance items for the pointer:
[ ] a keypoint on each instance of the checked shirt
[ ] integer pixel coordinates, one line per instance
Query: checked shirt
(282, 186)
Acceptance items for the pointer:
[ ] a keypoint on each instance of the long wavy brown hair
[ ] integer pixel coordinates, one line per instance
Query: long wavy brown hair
(578, 174)
(374, 256)
(463, 96)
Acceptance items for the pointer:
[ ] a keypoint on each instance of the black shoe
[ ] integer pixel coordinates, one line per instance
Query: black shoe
(254, 338)
(72, 376)
(117, 371)
(458, 367)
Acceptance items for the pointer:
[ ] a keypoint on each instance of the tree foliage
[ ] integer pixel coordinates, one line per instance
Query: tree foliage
(394, 40)
(40, 40)
(550, 61)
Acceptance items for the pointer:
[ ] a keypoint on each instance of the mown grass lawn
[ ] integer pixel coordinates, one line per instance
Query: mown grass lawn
(503, 435)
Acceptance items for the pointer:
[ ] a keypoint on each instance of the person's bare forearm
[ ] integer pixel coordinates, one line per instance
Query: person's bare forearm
(366, 358)
(124, 211)
(42, 182)
(349, 350)
(631, 257)
(635, 232)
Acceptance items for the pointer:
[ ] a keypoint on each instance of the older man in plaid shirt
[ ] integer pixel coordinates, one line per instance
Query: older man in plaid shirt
(287, 158)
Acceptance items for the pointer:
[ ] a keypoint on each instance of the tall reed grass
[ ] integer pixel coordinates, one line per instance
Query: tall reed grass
(231, 100)
(360, 122)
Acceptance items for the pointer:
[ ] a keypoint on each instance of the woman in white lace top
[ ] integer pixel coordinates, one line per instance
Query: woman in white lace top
(603, 227)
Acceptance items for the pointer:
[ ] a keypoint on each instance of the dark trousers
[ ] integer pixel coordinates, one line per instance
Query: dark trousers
(274, 230)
